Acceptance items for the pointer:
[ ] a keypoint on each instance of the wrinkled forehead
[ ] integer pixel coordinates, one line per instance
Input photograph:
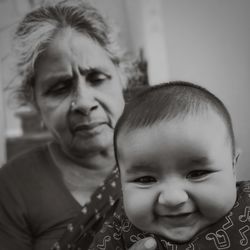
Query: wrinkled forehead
(71, 40)
(70, 50)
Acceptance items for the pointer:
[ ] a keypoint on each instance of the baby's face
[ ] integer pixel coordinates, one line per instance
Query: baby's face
(177, 176)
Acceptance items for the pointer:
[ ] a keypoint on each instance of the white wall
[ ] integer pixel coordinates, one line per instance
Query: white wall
(10, 13)
(116, 12)
(209, 43)
(8, 16)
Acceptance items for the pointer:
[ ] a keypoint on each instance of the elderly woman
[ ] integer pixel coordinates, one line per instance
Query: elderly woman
(59, 194)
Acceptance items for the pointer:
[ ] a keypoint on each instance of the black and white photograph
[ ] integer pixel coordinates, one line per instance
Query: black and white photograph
(124, 125)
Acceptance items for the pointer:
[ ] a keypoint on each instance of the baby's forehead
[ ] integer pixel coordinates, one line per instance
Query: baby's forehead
(178, 118)
(209, 125)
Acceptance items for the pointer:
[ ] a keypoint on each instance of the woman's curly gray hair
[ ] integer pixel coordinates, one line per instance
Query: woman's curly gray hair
(35, 32)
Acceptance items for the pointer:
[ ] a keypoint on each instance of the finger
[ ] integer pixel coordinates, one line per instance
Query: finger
(144, 244)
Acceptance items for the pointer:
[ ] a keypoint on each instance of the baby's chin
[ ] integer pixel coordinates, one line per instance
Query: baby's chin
(184, 236)
(181, 234)
(178, 238)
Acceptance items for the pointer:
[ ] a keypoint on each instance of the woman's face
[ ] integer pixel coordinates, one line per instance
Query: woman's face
(75, 69)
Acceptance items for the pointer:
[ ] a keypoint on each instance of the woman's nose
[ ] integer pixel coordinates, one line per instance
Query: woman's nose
(172, 196)
(84, 100)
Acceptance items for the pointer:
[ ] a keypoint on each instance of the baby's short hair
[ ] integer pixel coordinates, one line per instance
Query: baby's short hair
(168, 101)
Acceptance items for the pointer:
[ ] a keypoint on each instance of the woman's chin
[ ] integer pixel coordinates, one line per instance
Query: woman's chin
(90, 147)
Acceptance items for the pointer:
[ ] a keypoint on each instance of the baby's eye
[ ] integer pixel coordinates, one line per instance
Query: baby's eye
(198, 174)
(145, 180)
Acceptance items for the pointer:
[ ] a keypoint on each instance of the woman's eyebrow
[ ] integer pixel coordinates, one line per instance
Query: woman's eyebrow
(88, 70)
(56, 77)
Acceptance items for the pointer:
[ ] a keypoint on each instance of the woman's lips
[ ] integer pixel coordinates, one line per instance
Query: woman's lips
(88, 128)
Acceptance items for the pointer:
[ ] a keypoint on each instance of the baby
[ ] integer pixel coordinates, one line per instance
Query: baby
(175, 148)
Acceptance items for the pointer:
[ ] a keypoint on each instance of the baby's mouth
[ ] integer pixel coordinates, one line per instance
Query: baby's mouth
(177, 215)
(178, 219)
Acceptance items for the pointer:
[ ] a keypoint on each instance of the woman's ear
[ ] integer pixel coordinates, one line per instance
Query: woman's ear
(123, 80)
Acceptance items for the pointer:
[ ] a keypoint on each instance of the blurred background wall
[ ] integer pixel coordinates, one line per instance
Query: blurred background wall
(204, 41)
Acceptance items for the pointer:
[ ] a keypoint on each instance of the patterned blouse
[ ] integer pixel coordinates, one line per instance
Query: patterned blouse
(80, 233)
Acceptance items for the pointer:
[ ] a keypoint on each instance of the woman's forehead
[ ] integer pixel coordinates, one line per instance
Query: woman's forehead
(73, 49)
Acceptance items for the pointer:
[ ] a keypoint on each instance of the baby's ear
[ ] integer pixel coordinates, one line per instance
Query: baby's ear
(236, 157)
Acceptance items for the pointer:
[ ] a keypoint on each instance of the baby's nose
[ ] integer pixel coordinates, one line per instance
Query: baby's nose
(172, 196)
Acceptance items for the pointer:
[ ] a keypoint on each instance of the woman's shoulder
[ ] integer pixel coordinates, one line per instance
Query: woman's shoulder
(26, 162)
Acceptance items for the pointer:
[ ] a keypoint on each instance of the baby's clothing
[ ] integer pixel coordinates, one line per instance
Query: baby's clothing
(231, 232)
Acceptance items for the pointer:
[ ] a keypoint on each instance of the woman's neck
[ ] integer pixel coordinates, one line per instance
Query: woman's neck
(84, 176)
(97, 161)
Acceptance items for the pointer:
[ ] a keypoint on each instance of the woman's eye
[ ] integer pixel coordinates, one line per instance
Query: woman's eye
(59, 88)
(198, 174)
(97, 77)
(145, 180)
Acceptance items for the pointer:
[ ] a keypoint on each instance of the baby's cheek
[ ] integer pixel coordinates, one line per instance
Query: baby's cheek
(216, 203)
(137, 206)
(130, 200)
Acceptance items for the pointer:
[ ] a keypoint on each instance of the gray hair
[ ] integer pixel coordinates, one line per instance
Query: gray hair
(38, 28)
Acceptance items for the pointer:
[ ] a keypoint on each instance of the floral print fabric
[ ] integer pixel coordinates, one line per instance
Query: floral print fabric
(80, 233)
